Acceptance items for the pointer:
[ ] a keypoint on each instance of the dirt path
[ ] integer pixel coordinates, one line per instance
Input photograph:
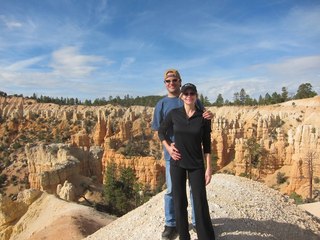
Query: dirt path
(240, 210)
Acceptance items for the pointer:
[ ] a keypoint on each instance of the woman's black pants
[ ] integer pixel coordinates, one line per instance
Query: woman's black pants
(201, 209)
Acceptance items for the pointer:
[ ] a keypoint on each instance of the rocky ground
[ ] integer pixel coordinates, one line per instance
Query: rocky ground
(51, 218)
(240, 209)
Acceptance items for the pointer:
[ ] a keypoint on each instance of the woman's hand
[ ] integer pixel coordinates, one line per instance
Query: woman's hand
(174, 152)
(208, 175)
(207, 114)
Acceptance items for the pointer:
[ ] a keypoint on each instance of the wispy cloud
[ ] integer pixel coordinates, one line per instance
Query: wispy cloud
(10, 23)
(24, 64)
(227, 87)
(127, 62)
(265, 78)
(69, 72)
(302, 20)
(68, 62)
(106, 47)
(296, 66)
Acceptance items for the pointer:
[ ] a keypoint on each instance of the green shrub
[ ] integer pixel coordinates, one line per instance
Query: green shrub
(16, 145)
(296, 197)
(3, 178)
(136, 147)
(281, 178)
(114, 143)
(244, 175)
(53, 149)
(2, 148)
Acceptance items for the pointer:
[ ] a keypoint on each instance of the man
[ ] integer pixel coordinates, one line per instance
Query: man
(172, 81)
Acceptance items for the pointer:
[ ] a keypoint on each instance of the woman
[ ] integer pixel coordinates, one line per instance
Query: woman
(192, 144)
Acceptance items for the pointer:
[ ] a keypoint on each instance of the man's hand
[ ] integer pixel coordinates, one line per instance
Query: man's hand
(174, 152)
(207, 114)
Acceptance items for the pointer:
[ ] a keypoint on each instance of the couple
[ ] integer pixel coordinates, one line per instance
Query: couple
(184, 130)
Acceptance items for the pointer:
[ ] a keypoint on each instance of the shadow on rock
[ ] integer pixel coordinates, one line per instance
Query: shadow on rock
(248, 229)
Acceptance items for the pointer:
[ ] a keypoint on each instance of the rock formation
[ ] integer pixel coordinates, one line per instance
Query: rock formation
(11, 211)
(288, 133)
(149, 171)
(51, 165)
(66, 191)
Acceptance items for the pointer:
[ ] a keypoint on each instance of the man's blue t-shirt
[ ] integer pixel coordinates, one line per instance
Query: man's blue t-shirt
(163, 107)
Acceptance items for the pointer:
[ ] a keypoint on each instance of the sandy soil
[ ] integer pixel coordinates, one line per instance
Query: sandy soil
(52, 218)
(313, 208)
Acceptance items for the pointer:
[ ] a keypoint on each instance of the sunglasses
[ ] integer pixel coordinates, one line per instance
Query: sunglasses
(171, 81)
(189, 93)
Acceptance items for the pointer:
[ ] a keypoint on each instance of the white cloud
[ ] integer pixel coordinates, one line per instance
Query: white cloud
(9, 23)
(254, 86)
(265, 78)
(69, 74)
(24, 64)
(127, 62)
(303, 21)
(296, 66)
(295, 71)
(68, 62)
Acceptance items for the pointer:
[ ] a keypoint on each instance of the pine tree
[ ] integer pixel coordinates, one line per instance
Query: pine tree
(284, 94)
(219, 102)
(305, 91)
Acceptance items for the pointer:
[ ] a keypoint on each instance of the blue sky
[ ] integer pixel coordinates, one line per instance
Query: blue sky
(99, 48)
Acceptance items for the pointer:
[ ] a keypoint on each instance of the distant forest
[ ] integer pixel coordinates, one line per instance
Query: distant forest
(239, 99)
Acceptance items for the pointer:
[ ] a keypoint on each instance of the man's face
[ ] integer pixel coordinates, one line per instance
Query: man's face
(172, 84)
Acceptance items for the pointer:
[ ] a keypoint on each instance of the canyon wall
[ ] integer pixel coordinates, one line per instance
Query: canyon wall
(93, 137)
(289, 134)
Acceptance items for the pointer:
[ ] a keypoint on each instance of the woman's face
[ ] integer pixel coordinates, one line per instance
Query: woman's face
(189, 96)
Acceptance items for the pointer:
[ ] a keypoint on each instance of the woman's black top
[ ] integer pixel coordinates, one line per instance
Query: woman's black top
(191, 136)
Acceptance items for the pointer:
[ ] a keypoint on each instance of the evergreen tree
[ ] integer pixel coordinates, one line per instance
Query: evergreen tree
(242, 96)
(305, 91)
(275, 98)
(254, 102)
(219, 102)
(253, 155)
(120, 192)
(248, 101)
(87, 102)
(204, 100)
(3, 94)
(284, 94)
(128, 179)
(236, 98)
(267, 99)
(110, 183)
(261, 100)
